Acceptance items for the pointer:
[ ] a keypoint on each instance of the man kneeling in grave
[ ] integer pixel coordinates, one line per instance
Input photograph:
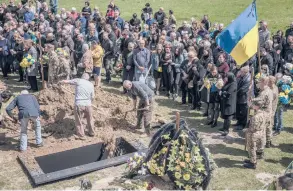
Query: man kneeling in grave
(145, 105)
(29, 109)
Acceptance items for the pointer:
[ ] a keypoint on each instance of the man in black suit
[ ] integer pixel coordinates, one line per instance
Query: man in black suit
(243, 83)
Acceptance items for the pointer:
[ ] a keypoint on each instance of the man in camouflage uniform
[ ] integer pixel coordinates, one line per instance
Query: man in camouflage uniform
(275, 91)
(145, 94)
(255, 135)
(64, 68)
(53, 65)
(266, 97)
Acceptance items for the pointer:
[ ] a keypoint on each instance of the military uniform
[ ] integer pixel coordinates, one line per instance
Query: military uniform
(64, 68)
(53, 68)
(255, 135)
(275, 91)
(266, 99)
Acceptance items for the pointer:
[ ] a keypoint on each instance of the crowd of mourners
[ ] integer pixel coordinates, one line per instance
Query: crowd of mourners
(38, 40)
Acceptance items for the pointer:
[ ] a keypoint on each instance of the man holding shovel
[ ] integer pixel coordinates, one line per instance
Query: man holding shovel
(145, 105)
(84, 95)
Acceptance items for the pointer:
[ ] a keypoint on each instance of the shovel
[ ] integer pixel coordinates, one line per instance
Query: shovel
(142, 109)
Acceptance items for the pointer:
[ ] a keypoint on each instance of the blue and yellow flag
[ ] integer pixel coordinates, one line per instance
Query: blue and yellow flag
(240, 38)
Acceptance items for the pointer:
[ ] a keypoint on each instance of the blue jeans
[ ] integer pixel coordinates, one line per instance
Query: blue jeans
(278, 124)
(23, 133)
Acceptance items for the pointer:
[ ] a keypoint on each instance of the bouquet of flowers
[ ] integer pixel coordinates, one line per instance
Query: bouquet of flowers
(286, 90)
(136, 165)
(44, 59)
(61, 52)
(207, 83)
(220, 84)
(289, 66)
(27, 61)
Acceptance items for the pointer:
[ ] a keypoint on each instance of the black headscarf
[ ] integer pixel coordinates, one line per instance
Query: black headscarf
(231, 78)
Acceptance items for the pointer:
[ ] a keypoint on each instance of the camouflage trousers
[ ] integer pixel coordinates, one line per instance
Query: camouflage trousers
(255, 144)
(145, 117)
(269, 127)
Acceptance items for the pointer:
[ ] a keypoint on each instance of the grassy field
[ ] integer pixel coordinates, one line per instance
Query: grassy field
(278, 13)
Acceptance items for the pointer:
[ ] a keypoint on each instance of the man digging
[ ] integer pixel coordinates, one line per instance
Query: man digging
(84, 95)
(145, 105)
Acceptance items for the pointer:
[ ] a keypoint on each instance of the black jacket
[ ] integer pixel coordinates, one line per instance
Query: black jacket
(228, 99)
(268, 60)
(242, 89)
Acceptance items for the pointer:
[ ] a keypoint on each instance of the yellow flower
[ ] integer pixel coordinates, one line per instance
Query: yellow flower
(177, 175)
(186, 177)
(188, 187)
(178, 168)
(182, 164)
(152, 170)
(187, 160)
(164, 150)
(282, 94)
(187, 155)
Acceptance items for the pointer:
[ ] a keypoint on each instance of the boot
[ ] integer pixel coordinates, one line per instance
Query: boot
(250, 165)
(246, 161)
(215, 124)
(210, 123)
(268, 144)
(259, 154)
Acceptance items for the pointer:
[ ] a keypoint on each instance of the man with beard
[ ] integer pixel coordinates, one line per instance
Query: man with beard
(243, 83)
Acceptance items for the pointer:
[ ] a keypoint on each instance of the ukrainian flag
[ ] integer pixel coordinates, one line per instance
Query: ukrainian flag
(240, 38)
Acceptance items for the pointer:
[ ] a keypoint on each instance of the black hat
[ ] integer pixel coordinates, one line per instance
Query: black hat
(147, 5)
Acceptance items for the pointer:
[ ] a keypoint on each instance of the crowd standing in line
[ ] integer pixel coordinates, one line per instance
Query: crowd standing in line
(183, 59)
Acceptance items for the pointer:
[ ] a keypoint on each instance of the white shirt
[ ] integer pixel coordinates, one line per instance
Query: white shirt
(84, 92)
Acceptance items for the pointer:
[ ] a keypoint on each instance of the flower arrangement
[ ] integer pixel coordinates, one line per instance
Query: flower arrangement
(27, 61)
(219, 84)
(61, 52)
(207, 83)
(286, 90)
(289, 66)
(136, 165)
(44, 59)
(186, 164)
(179, 154)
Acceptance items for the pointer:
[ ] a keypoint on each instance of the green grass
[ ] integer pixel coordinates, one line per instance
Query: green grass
(278, 13)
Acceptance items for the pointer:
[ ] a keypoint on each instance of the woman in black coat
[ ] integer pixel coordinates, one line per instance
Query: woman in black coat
(228, 102)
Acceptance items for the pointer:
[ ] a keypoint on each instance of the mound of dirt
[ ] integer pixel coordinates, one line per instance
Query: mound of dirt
(57, 111)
